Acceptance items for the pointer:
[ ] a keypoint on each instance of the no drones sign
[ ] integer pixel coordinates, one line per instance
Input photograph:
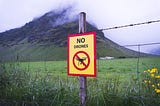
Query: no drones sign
(82, 54)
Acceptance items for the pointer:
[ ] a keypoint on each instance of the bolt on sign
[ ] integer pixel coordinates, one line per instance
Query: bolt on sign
(82, 54)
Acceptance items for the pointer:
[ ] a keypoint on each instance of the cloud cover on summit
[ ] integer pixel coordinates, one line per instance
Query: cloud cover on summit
(103, 13)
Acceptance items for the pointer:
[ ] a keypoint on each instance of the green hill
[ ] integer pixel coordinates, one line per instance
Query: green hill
(45, 38)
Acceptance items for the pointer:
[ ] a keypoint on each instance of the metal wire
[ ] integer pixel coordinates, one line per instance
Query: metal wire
(110, 28)
(130, 25)
(144, 44)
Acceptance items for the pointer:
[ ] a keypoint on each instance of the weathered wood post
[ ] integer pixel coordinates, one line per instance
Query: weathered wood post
(83, 85)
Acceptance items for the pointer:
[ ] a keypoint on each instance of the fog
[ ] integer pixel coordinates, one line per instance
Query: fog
(102, 13)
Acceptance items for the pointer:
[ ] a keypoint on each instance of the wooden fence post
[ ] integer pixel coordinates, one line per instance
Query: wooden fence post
(83, 85)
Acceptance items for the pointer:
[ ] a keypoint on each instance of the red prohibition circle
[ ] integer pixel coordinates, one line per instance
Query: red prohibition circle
(84, 64)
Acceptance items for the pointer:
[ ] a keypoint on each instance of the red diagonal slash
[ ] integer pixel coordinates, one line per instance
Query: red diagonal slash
(85, 65)
(82, 61)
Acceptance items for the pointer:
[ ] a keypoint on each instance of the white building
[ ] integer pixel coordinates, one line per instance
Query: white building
(106, 58)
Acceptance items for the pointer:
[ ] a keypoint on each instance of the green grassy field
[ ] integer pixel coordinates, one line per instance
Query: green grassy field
(118, 82)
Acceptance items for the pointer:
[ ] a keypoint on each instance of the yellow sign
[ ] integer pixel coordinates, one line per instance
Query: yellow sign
(82, 54)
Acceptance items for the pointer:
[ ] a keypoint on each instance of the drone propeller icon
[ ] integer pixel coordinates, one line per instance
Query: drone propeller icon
(81, 60)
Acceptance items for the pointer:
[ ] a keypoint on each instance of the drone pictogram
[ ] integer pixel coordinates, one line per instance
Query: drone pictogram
(81, 60)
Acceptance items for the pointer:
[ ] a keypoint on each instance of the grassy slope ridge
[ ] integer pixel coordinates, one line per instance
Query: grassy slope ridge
(44, 39)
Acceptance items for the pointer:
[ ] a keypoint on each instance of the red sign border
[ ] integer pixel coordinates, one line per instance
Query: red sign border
(68, 49)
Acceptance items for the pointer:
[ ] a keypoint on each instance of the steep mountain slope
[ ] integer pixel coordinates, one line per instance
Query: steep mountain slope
(45, 38)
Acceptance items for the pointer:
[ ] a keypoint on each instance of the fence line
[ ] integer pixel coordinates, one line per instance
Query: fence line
(137, 62)
(140, 44)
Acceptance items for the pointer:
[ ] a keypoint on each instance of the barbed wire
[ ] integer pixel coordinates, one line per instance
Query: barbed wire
(110, 28)
(144, 44)
(129, 25)
(141, 44)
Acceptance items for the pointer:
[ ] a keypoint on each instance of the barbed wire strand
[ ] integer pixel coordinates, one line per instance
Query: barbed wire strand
(129, 25)
(110, 28)
(143, 44)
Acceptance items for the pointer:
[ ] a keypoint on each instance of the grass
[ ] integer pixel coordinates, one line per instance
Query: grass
(118, 82)
(28, 52)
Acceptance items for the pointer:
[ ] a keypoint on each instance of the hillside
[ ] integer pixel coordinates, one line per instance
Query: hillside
(156, 51)
(45, 38)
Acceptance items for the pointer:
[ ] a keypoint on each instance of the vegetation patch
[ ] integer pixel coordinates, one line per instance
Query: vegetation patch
(46, 84)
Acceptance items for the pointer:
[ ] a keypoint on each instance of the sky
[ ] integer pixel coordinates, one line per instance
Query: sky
(102, 13)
